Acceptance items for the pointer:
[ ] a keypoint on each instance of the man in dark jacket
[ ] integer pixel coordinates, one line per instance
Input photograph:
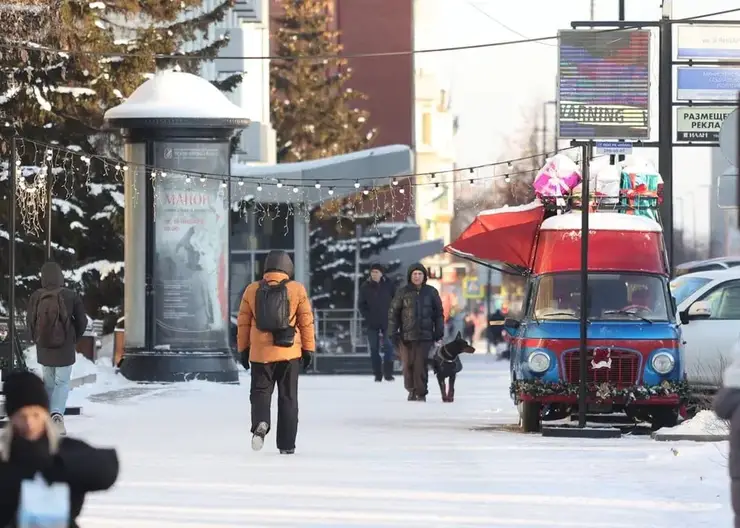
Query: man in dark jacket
(376, 294)
(57, 361)
(415, 323)
(727, 407)
(30, 444)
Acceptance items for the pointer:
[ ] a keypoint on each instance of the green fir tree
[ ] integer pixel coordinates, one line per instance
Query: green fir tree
(60, 99)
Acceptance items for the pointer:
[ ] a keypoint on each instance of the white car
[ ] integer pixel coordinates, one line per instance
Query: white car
(709, 310)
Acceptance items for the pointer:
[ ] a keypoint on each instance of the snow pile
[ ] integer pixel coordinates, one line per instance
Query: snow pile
(704, 424)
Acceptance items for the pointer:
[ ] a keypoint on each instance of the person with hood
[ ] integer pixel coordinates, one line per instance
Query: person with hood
(275, 336)
(31, 446)
(727, 407)
(376, 294)
(56, 319)
(415, 324)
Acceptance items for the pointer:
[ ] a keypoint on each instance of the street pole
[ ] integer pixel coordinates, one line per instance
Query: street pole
(11, 248)
(665, 132)
(488, 310)
(544, 133)
(613, 159)
(356, 302)
(583, 351)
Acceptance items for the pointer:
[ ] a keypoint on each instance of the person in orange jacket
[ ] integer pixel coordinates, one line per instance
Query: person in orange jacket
(275, 336)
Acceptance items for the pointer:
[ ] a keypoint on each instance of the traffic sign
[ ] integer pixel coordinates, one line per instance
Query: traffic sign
(472, 288)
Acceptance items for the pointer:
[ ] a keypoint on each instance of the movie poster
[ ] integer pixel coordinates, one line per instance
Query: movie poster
(191, 248)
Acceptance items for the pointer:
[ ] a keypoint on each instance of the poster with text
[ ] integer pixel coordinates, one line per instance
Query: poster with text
(191, 247)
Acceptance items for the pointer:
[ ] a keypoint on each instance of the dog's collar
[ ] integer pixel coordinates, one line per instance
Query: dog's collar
(444, 347)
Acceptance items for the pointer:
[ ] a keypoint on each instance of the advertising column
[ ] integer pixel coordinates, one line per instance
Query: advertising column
(191, 234)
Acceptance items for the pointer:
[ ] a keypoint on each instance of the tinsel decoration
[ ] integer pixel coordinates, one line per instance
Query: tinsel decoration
(601, 391)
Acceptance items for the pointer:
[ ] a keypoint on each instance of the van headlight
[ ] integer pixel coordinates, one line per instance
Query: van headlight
(538, 362)
(663, 363)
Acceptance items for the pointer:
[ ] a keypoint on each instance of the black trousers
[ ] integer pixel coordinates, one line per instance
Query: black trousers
(265, 376)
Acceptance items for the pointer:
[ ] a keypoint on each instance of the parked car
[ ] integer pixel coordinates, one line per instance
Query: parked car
(715, 264)
(709, 310)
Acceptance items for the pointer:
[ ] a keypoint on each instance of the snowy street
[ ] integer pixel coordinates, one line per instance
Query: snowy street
(367, 458)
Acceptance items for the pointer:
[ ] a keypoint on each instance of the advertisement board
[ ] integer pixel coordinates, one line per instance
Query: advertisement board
(604, 84)
(191, 248)
(694, 123)
(708, 42)
(699, 83)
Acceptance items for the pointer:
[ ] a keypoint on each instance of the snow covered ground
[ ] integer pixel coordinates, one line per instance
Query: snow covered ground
(367, 458)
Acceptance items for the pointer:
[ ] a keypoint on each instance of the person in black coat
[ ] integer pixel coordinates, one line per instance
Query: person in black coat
(376, 294)
(31, 445)
(415, 323)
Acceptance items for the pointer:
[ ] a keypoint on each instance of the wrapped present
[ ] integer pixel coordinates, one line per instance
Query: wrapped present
(557, 178)
(641, 191)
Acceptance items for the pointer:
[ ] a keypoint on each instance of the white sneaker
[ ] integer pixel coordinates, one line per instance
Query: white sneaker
(258, 438)
(58, 420)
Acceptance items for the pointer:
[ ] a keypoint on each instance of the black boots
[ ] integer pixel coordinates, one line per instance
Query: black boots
(388, 371)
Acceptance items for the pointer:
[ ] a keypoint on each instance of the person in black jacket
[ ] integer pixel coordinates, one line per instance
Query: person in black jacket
(31, 445)
(376, 295)
(415, 323)
(57, 361)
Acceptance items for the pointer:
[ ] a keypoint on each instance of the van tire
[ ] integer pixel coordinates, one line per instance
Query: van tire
(663, 417)
(530, 416)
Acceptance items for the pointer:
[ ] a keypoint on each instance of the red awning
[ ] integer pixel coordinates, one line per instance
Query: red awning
(501, 238)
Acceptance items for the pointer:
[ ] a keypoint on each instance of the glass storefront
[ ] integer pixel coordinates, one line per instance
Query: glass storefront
(255, 231)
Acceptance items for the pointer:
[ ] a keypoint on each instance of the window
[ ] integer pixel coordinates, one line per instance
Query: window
(612, 297)
(724, 301)
(684, 287)
(263, 228)
(426, 128)
(241, 276)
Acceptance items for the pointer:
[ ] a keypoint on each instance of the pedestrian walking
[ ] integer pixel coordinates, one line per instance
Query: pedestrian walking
(56, 319)
(43, 474)
(727, 407)
(415, 324)
(275, 337)
(376, 294)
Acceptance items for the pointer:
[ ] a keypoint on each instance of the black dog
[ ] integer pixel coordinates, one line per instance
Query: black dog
(446, 364)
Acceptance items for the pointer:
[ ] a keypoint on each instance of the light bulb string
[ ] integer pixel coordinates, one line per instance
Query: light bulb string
(343, 57)
(274, 179)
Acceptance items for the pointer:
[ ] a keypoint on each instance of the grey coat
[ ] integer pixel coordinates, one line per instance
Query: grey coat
(51, 278)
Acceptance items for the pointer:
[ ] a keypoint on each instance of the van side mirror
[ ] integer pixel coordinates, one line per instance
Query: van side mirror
(683, 317)
(511, 326)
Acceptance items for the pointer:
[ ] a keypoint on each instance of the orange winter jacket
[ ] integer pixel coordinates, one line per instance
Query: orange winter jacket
(260, 344)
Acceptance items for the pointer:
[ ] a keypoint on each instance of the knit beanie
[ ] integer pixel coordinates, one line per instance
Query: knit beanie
(377, 266)
(23, 389)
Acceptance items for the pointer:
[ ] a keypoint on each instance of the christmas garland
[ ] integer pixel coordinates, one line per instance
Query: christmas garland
(601, 391)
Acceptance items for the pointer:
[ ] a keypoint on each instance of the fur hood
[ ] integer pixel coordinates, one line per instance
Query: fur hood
(6, 438)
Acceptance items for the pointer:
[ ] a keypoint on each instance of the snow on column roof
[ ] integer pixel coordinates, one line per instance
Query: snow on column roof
(601, 221)
(172, 94)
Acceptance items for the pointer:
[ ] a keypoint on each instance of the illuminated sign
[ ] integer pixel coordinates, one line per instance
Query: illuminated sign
(604, 84)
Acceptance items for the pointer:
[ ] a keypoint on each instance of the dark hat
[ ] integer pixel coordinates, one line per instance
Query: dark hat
(23, 389)
(377, 266)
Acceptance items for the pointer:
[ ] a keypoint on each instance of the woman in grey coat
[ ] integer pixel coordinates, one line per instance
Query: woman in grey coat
(727, 407)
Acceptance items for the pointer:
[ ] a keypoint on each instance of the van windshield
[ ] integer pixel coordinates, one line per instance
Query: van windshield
(613, 297)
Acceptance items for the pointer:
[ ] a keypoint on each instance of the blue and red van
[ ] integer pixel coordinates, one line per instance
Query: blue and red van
(635, 363)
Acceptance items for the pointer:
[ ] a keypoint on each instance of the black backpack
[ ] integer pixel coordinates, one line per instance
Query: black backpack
(52, 320)
(272, 306)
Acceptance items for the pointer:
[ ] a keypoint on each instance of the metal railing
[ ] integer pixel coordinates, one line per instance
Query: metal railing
(340, 331)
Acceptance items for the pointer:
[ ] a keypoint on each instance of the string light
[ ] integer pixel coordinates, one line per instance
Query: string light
(317, 184)
(202, 179)
(357, 184)
(259, 187)
(395, 181)
(507, 179)
(365, 191)
(295, 189)
(240, 183)
(331, 191)
(279, 184)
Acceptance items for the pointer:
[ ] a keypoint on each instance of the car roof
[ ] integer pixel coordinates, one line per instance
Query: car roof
(713, 274)
(716, 260)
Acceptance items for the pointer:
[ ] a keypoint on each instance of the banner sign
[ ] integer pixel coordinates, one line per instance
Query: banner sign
(707, 83)
(472, 288)
(708, 42)
(703, 123)
(191, 248)
(604, 84)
